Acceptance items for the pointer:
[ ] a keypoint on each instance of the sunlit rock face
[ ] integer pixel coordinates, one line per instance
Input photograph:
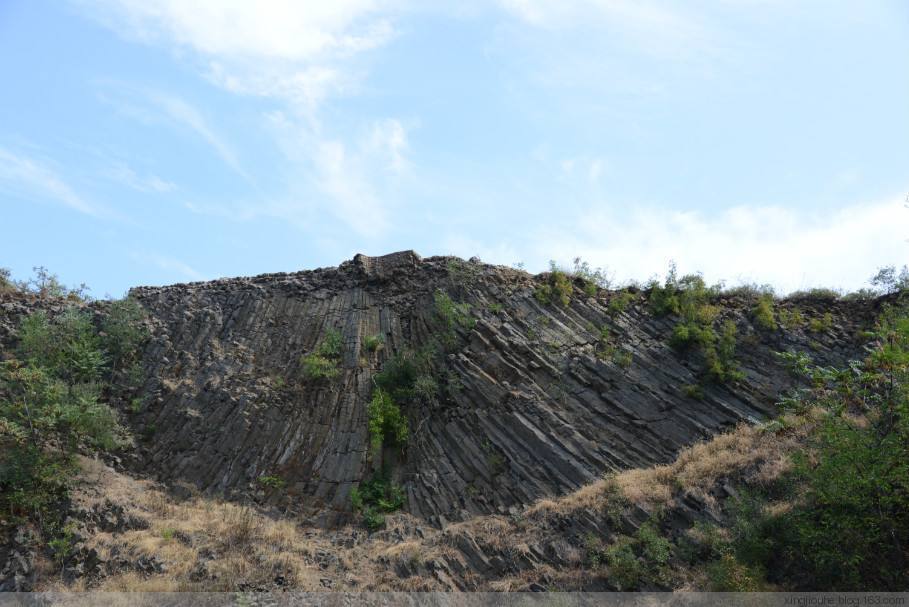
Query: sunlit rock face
(530, 401)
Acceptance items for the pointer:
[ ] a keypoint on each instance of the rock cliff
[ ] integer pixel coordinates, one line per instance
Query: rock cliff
(528, 405)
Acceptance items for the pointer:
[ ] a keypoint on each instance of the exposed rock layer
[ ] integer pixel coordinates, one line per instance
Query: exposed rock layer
(532, 409)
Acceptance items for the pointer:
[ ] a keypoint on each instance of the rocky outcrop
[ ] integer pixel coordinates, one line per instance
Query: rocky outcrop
(530, 405)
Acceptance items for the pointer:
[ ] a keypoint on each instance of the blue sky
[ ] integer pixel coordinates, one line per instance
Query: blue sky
(160, 142)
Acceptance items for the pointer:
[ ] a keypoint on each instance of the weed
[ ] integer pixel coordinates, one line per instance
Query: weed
(373, 343)
(763, 313)
(272, 482)
(619, 303)
(323, 363)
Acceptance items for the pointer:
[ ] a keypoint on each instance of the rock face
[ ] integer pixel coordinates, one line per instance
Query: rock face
(529, 408)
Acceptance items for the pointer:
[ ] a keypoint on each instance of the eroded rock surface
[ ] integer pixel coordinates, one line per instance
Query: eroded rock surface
(529, 408)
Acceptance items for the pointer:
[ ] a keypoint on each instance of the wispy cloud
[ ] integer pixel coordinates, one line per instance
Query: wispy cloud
(125, 175)
(660, 28)
(269, 29)
(23, 174)
(788, 248)
(168, 264)
(150, 106)
(184, 113)
(299, 55)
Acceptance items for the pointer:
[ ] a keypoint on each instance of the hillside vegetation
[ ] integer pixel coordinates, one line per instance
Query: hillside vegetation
(409, 424)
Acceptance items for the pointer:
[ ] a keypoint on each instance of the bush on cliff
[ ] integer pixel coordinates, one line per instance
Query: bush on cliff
(843, 521)
(52, 405)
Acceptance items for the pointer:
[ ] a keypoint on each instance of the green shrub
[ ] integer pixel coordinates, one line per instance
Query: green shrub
(387, 424)
(622, 358)
(47, 285)
(400, 373)
(324, 362)
(763, 313)
(591, 278)
(452, 316)
(815, 294)
(887, 281)
(694, 391)
(619, 303)
(727, 574)
(426, 388)
(557, 289)
(655, 549)
(375, 497)
(316, 367)
(847, 524)
(791, 319)
(624, 567)
(69, 347)
(750, 291)
(373, 343)
(495, 308)
(822, 324)
(123, 332)
(50, 406)
(272, 482)
(6, 283)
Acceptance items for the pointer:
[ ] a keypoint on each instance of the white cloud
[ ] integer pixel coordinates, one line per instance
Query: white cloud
(147, 183)
(298, 54)
(184, 113)
(168, 264)
(787, 248)
(20, 173)
(288, 30)
(654, 27)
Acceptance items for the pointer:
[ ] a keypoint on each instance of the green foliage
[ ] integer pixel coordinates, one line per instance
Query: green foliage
(387, 424)
(50, 407)
(557, 289)
(62, 543)
(426, 388)
(791, 319)
(727, 574)
(888, 281)
(633, 560)
(6, 283)
(750, 291)
(821, 324)
(272, 482)
(496, 308)
(694, 391)
(123, 333)
(688, 297)
(375, 497)
(619, 303)
(591, 278)
(847, 524)
(400, 373)
(47, 285)
(815, 295)
(373, 343)
(69, 347)
(323, 363)
(624, 567)
(452, 316)
(463, 273)
(763, 313)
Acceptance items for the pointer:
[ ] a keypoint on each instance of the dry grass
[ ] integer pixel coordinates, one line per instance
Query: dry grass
(206, 544)
(758, 456)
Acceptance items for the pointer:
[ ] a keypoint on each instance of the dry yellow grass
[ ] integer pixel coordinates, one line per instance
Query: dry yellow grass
(206, 544)
(746, 449)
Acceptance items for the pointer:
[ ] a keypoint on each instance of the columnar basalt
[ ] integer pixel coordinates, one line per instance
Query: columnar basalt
(532, 410)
